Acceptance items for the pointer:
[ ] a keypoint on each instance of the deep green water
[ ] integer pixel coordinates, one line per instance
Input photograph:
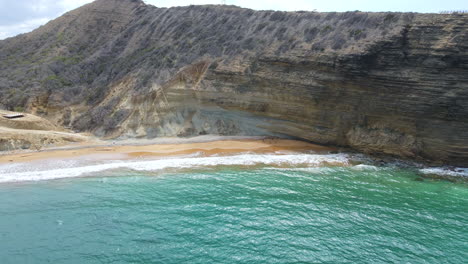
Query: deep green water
(236, 215)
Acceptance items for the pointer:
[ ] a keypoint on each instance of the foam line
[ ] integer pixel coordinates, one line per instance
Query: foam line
(30, 173)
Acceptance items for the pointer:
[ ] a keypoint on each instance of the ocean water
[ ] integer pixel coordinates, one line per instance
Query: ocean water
(241, 209)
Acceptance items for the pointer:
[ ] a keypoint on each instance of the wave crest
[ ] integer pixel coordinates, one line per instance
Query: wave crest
(26, 172)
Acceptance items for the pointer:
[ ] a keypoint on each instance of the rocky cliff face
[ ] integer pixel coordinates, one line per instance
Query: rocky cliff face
(393, 83)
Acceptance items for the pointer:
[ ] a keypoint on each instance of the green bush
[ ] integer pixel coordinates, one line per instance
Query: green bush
(18, 109)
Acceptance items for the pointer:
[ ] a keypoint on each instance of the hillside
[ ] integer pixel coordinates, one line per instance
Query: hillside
(34, 133)
(392, 83)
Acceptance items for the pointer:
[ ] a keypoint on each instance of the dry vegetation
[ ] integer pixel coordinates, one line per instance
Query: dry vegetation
(79, 54)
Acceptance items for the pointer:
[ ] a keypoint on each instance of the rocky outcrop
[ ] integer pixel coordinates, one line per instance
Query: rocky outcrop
(33, 133)
(392, 83)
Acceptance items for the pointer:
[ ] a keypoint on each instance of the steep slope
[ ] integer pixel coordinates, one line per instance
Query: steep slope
(393, 83)
(60, 60)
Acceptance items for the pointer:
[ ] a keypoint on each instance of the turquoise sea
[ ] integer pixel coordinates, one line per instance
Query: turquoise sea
(240, 209)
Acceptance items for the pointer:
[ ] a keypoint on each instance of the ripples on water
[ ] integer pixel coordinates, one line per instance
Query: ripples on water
(233, 214)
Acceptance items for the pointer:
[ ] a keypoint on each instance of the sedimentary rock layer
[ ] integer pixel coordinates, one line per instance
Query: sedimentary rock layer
(392, 83)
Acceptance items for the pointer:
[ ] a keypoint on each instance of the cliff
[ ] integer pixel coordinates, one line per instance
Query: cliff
(391, 83)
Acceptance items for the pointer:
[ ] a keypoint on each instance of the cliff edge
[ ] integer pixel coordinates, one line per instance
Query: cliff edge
(391, 83)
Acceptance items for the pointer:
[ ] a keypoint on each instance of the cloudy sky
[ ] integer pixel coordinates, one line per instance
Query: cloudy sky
(20, 16)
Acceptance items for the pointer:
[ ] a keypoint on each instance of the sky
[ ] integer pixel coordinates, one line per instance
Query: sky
(21, 16)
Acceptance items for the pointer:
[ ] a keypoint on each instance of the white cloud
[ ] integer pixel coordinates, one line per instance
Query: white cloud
(72, 4)
(21, 16)
(26, 26)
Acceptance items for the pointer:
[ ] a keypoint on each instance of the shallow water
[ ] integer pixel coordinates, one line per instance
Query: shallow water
(235, 214)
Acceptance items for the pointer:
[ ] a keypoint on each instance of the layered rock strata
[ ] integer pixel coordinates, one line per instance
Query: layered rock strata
(391, 83)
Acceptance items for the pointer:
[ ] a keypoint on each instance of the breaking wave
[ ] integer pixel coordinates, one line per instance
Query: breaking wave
(58, 169)
(454, 172)
(66, 169)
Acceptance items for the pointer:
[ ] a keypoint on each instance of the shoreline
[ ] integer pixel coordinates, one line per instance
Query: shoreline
(130, 149)
(203, 146)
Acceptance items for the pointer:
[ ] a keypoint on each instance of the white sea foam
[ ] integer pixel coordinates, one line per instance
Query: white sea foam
(52, 170)
(456, 172)
(364, 167)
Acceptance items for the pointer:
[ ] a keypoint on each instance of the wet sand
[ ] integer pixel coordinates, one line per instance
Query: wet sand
(218, 147)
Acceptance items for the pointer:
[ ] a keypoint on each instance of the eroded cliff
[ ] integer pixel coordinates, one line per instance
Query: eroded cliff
(393, 83)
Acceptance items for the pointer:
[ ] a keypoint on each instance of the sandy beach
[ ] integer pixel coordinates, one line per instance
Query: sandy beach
(135, 149)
